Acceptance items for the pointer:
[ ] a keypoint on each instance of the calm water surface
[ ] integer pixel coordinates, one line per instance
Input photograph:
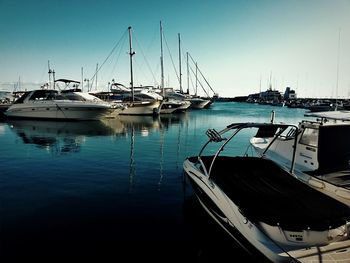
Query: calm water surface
(113, 189)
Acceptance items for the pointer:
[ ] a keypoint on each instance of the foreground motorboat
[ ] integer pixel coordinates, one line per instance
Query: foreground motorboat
(50, 104)
(254, 199)
(322, 151)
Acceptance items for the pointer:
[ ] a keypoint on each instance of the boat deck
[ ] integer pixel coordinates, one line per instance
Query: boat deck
(340, 178)
(265, 192)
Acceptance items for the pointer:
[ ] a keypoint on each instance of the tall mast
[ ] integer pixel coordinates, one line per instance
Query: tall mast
(131, 53)
(188, 75)
(82, 79)
(48, 65)
(336, 86)
(180, 74)
(96, 76)
(161, 59)
(196, 79)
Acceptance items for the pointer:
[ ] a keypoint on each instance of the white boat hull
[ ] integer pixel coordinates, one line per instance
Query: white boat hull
(229, 216)
(198, 103)
(142, 108)
(59, 110)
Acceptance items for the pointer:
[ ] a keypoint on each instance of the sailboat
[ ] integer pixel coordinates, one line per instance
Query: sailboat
(170, 104)
(135, 104)
(196, 101)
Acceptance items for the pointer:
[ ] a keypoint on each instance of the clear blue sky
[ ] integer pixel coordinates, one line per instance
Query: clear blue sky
(237, 44)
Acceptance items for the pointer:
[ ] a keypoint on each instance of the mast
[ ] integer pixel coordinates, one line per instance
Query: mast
(82, 78)
(53, 75)
(131, 53)
(96, 76)
(196, 79)
(336, 86)
(161, 59)
(188, 75)
(180, 74)
(52, 71)
(206, 81)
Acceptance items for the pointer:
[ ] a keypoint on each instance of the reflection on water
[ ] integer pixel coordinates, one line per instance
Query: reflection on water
(169, 119)
(115, 180)
(132, 157)
(59, 137)
(65, 137)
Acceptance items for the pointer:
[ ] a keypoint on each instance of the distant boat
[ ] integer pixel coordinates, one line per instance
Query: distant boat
(321, 106)
(5, 101)
(199, 103)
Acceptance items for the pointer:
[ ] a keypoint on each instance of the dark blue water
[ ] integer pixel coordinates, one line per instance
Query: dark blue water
(113, 189)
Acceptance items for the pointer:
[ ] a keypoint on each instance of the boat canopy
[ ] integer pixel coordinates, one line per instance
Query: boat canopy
(264, 192)
(67, 81)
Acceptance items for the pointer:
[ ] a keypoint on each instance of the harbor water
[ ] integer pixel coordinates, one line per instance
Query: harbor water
(113, 189)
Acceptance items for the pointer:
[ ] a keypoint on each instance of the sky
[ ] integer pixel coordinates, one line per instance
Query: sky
(240, 47)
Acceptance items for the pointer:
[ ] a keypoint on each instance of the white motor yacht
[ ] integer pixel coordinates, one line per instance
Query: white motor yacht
(259, 203)
(50, 104)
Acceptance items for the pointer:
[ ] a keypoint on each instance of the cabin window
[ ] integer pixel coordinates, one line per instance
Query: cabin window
(309, 137)
(73, 96)
(43, 95)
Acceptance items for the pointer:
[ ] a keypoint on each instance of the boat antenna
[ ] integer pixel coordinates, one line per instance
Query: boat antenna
(131, 53)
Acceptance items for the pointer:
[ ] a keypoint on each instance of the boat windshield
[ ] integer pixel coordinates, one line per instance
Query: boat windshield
(43, 95)
(74, 96)
(309, 137)
(22, 98)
